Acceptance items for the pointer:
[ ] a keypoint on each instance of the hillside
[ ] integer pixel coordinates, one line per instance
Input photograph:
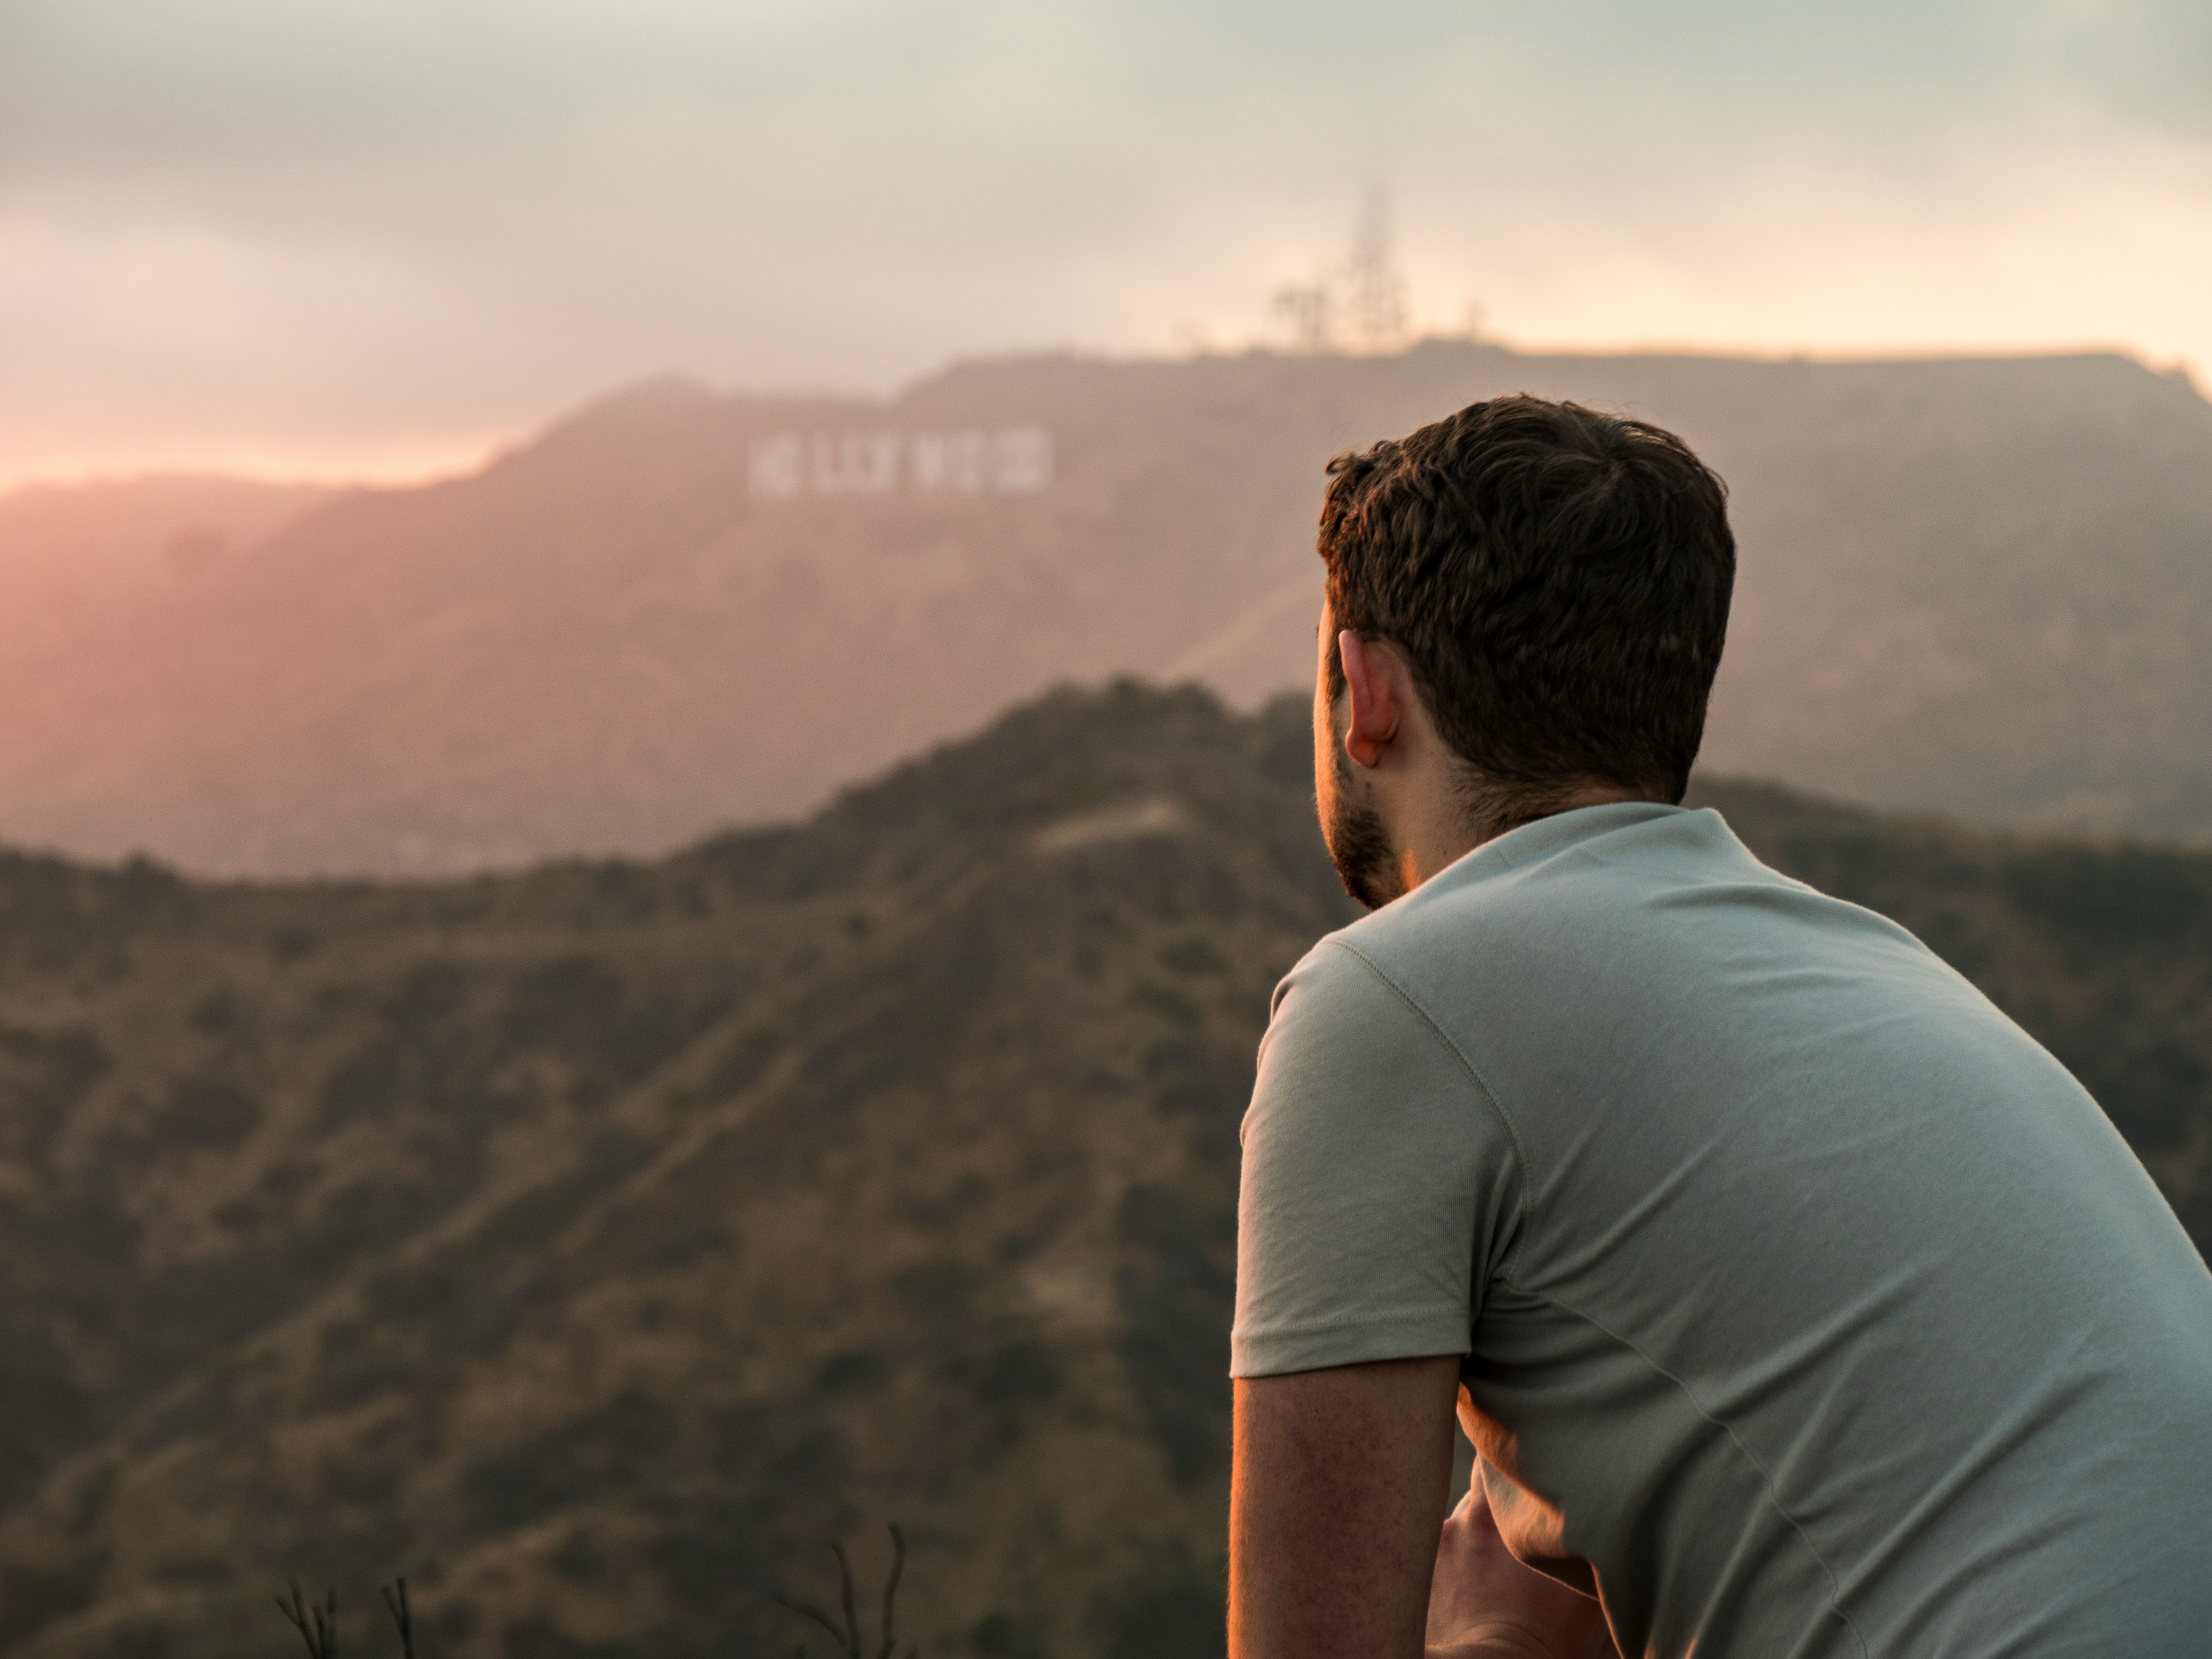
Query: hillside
(1977, 587)
(593, 1244)
(80, 561)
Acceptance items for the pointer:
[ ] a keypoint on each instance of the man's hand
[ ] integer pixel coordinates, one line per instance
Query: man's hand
(1483, 1604)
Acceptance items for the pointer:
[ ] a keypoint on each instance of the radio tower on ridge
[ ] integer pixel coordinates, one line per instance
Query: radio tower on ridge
(1355, 304)
(1374, 287)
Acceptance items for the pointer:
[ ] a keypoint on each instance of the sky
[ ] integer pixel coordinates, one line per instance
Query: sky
(377, 238)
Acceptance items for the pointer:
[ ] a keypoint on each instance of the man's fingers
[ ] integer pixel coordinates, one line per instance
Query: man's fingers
(1480, 1590)
(1474, 1509)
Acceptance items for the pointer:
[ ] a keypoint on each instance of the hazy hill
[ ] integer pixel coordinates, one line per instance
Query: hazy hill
(593, 1244)
(77, 560)
(1975, 586)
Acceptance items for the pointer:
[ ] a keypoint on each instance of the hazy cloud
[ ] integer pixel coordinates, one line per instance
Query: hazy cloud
(241, 226)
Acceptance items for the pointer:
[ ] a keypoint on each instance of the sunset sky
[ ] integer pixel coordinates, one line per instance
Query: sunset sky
(375, 237)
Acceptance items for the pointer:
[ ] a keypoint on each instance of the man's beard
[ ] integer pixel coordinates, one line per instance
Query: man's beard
(1359, 845)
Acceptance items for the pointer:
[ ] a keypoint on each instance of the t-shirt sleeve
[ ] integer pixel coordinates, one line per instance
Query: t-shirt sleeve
(1380, 1184)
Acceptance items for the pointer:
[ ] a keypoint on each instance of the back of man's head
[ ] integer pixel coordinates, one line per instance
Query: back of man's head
(1558, 581)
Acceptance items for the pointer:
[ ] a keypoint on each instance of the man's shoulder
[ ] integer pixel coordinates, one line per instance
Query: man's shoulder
(1623, 916)
(1340, 996)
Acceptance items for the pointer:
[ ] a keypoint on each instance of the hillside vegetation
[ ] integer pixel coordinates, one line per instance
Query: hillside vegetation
(1975, 587)
(593, 1244)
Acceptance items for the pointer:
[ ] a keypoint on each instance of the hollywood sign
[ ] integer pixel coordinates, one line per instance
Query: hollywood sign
(1007, 460)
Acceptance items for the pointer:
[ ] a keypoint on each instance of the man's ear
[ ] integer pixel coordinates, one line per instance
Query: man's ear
(1374, 720)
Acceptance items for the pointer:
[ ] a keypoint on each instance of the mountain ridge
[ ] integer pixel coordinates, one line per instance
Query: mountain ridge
(608, 642)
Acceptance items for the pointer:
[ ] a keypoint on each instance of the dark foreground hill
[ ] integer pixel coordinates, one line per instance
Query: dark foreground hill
(593, 1244)
(1978, 587)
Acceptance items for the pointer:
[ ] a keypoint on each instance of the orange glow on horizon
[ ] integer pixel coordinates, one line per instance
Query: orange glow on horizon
(378, 463)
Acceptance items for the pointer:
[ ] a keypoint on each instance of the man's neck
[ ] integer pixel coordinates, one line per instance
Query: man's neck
(1439, 837)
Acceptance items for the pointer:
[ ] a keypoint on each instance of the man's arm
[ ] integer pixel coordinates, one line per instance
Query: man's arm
(1339, 1478)
(1379, 1187)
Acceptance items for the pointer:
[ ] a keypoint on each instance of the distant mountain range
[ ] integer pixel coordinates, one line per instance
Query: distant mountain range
(595, 1244)
(1981, 587)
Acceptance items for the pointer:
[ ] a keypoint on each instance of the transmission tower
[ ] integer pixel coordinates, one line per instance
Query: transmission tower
(1374, 287)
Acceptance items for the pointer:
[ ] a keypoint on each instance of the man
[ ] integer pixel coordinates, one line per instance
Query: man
(1797, 1304)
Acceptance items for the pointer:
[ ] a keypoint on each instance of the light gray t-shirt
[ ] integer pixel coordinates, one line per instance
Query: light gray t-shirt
(1804, 1297)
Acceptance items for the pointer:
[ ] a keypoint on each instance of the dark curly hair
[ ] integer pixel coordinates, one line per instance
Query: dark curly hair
(1558, 581)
